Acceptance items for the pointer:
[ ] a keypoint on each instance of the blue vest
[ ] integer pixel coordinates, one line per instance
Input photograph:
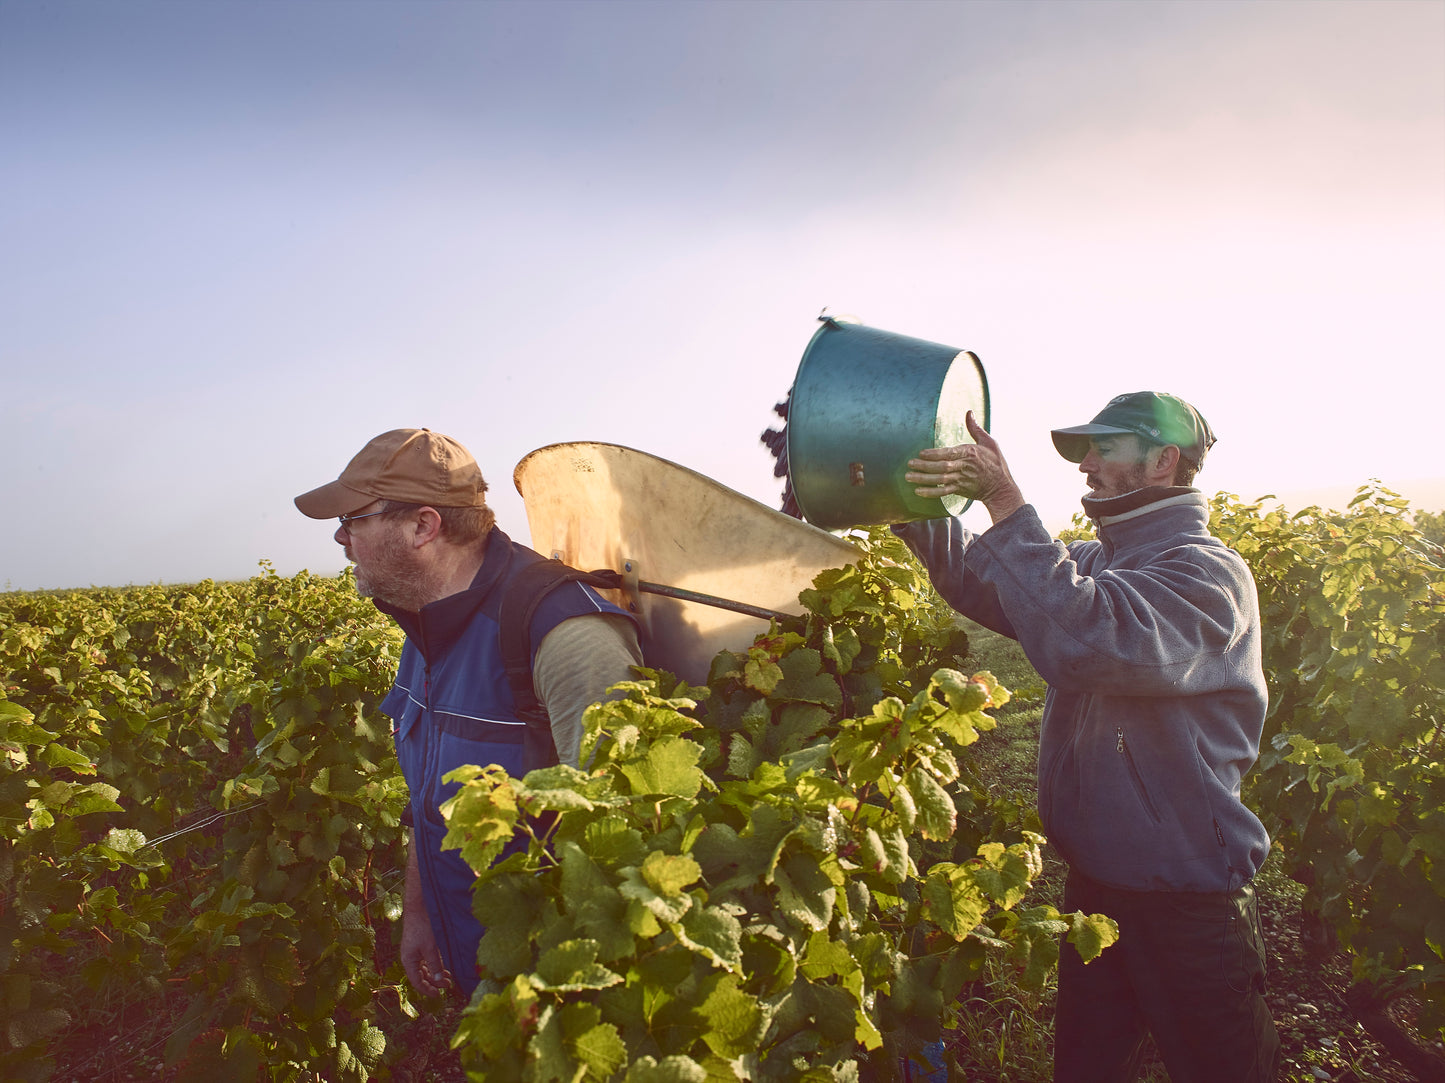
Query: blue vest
(452, 705)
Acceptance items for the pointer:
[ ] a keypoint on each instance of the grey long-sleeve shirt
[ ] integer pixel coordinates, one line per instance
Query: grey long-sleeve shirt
(1149, 640)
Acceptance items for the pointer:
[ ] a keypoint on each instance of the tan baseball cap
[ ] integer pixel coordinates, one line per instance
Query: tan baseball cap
(414, 466)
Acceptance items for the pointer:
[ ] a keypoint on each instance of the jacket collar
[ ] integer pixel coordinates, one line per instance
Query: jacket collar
(441, 623)
(1112, 509)
(1149, 516)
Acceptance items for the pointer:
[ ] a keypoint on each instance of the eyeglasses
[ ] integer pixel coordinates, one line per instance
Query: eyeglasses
(347, 520)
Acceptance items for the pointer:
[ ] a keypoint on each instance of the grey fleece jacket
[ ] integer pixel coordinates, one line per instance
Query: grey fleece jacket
(1149, 640)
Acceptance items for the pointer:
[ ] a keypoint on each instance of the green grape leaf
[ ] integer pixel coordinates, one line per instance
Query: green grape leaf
(572, 966)
(713, 932)
(669, 767)
(671, 1069)
(1091, 934)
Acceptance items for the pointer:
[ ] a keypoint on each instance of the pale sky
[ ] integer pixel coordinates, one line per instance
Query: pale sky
(238, 239)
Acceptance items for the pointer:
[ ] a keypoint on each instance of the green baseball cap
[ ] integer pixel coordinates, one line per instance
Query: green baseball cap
(1156, 417)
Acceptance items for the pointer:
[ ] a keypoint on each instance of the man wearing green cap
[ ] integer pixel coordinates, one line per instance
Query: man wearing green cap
(1149, 640)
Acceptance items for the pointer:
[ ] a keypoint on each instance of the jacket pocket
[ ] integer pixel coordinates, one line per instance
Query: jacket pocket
(403, 712)
(1136, 780)
(461, 739)
(1059, 743)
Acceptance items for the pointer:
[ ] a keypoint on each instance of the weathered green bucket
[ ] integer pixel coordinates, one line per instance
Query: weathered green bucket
(864, 402)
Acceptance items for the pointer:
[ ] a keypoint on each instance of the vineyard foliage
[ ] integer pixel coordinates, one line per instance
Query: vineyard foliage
(789, 875)
(784, 875)
(199, 812)
(1351, 780)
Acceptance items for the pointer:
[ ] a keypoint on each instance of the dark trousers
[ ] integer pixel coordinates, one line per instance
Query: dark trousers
(1188, 968)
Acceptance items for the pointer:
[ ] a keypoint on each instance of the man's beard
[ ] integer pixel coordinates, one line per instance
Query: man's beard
(391, 576)
(1135, 479)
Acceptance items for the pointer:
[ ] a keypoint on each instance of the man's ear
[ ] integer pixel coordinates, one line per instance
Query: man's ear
(1165, 463)
(426, 527)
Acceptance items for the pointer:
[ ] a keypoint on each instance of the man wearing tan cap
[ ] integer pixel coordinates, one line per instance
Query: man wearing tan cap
(415, 523)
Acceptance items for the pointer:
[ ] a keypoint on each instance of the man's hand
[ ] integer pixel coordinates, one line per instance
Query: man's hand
(420, 956)
(976, 470)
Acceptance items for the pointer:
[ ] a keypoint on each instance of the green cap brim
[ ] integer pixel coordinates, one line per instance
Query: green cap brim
(1073, 443)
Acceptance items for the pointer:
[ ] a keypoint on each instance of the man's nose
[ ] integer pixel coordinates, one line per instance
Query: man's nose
(341, 537)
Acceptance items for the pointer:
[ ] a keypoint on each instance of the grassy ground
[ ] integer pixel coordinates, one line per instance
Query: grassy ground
(1007, 1033)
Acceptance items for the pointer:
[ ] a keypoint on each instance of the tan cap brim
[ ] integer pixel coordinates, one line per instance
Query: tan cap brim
(332, 500)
